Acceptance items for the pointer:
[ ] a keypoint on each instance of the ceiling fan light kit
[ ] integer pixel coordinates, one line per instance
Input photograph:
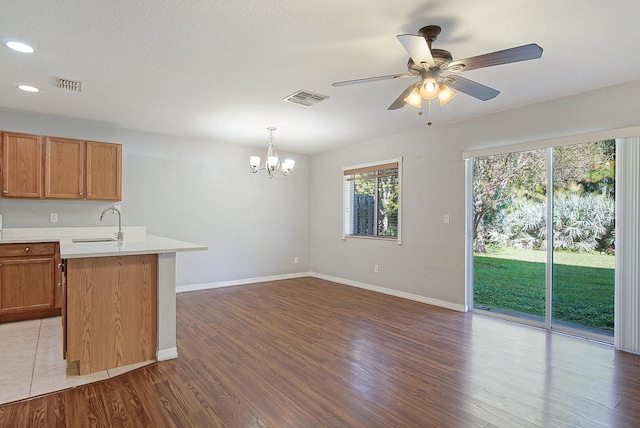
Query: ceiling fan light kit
(428, 64)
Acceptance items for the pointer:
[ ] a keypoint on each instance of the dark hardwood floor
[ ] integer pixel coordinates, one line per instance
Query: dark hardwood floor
(311, 353)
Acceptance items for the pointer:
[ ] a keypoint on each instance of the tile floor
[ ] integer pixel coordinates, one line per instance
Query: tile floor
(31, 361)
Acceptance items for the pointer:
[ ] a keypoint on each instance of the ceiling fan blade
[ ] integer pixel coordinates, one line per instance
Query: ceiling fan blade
(472, 88)
(372, 79)
(520, 53)
(417, 48)
(400, 102)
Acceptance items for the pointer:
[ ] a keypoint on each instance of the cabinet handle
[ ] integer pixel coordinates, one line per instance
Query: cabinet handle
(88, 195)
(80, 193)
(59, 284)
(26, 249)
(4, 190)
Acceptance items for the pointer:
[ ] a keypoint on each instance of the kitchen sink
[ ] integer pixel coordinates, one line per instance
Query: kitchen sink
(80, 240)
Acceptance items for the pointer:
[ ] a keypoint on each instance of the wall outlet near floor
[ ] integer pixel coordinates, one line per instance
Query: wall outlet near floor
(53, 217)
(295, 260)
(446, 219)
(375, 269)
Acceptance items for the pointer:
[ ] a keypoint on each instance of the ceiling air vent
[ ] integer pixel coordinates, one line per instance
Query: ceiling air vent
(306, 98)
(70, 85)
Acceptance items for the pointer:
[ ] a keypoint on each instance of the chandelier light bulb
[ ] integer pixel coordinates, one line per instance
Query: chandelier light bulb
(288, 164)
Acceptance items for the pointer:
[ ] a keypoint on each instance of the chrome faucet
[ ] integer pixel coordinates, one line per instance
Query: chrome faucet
(119, 235)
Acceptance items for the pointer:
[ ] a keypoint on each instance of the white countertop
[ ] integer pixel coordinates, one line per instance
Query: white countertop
(136, 241)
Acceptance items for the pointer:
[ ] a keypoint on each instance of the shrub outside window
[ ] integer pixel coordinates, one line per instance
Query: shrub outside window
(372, 200)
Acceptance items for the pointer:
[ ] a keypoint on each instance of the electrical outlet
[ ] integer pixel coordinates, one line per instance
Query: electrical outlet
(375, 269)
(53, 217)
(295, 260)
(446, 219)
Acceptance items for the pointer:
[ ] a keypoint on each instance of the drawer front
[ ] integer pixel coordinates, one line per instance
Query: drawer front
(27, 249)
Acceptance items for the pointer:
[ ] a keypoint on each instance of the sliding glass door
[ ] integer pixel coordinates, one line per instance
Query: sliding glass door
(517, 274)
(509, 206)
(583, 238)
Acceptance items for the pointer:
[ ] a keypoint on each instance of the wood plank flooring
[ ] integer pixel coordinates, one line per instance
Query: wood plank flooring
(311, 353)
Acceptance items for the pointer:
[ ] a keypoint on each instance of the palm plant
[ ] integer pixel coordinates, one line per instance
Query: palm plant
(582, 223)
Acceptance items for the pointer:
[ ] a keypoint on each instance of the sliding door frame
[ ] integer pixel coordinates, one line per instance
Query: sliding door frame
(469, 256)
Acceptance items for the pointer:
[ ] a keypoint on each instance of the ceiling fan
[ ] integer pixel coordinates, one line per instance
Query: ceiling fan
(428, 64)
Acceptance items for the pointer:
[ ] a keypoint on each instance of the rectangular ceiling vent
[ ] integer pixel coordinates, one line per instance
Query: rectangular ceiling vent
(70, 85)
(306, 98)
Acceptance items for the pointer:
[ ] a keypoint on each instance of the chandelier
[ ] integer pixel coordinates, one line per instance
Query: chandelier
(272, 164)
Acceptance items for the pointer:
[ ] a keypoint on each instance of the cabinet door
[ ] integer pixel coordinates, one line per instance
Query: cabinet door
(111, 311)
(21, 165)
(26, 284)
(63, 168)
(104, 171)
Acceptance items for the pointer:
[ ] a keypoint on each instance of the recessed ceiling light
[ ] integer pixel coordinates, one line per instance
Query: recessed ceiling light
(19, 46)
(28, 88)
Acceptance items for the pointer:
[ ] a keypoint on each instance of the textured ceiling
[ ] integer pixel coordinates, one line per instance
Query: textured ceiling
(219, 70)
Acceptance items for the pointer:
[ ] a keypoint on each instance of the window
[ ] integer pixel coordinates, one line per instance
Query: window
(372, 200)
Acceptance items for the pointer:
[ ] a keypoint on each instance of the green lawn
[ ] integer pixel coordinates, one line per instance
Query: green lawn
(514, 280)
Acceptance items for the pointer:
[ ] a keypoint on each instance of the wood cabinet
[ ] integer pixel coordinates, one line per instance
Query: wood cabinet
(64, 168)
(30, 281)
(76, 169)
(104, 171)
(60, 168)
(21, 165)
(110, 315)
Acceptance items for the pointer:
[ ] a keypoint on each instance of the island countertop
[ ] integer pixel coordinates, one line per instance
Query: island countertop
(136, 241)
(147, 244)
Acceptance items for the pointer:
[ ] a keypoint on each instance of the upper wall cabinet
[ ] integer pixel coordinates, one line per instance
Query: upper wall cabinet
(64, 168)
(21, 165)
(60, 168)
(77, 169)
(104, 171)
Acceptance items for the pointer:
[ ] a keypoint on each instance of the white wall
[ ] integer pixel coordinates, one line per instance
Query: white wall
(196, 191)
(430, 264)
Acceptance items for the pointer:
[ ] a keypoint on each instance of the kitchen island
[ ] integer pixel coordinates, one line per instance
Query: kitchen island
(119, 303)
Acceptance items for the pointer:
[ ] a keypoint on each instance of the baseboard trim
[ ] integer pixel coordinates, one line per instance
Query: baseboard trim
(389, 291)
(245, 281)
(167, 354)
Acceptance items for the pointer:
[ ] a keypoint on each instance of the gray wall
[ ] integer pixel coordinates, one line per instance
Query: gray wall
(430, 264)
(196, 191)
(201, 191)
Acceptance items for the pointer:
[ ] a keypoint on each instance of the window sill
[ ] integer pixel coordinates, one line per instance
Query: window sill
(374, 238)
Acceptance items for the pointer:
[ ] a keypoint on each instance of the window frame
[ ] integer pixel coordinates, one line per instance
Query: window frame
(369, 165)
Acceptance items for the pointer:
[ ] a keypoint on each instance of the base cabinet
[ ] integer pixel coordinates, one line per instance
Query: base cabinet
(29, 281)
(110, 314)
